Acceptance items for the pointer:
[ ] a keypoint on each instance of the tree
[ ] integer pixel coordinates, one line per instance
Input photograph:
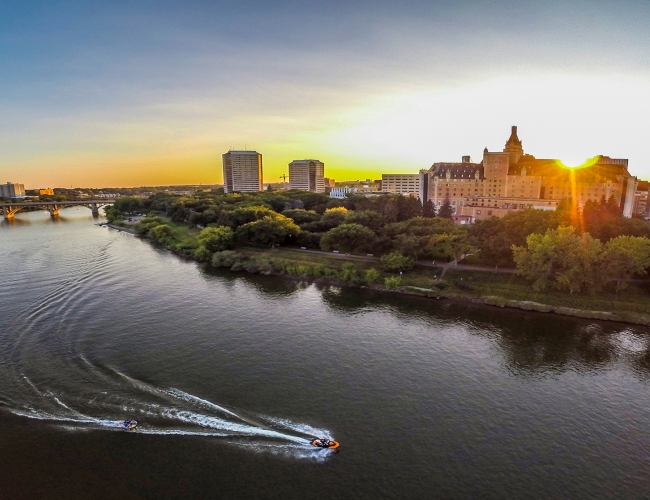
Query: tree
(301, 216)
(625, 256)
(333, 217)
(455, 243)
(161, 233)
(243, 215)
(268, 231)
(216, 239)
(367, 218)
(494, 236)
(446, 211)
(429, 209)
(348, 238)
(413, 237)
(395, 261)
(128, 204)
(560, 259)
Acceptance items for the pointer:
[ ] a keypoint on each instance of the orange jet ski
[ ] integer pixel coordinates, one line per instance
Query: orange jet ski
(325, 443)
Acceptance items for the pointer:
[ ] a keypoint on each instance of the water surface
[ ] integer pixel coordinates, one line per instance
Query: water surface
(231, 375)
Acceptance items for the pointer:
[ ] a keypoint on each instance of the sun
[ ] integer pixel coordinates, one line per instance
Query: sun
(572, 162)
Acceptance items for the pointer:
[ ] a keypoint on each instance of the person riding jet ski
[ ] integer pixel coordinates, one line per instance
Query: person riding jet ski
(324, 443)
(129, 424)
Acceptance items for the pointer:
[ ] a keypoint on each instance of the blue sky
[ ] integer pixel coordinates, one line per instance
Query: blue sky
(120, 93)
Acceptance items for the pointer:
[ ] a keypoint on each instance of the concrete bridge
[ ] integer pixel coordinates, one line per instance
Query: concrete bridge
(9, 209)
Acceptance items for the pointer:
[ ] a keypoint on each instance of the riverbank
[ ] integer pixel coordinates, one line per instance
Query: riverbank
(463, 283)
(124, 229)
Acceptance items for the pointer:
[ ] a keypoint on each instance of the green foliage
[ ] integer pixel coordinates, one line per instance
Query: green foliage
(623, 257)
(494, 237)
(371, 275)
(454, 244)
(413, 237)
(148, 223)
(128, 204)
(348, 271)
(367, 218)
(301, 216)
(112, 214)
(333, 217)
(216, 239)
(244, 215)
(446, 211)
(268, 231)
(560, 259)
(308, 239)
(604, 221)
(397, 262)
(429, 209)
(392, 282)
(348, 238)
(202, 254)
(161, 233)
(226, 258)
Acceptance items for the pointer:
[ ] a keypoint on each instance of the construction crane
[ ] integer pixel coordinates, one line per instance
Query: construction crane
(283, 177)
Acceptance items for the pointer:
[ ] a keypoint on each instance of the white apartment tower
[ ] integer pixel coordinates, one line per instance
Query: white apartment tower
(307, 175)
(242, 171)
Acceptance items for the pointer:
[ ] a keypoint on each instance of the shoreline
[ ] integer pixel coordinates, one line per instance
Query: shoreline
(488, 300)
(122, 229)
(627, 317)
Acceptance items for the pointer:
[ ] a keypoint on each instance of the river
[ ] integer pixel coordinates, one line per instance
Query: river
(230, 376)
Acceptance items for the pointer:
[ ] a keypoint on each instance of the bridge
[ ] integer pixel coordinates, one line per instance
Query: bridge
(10, 209)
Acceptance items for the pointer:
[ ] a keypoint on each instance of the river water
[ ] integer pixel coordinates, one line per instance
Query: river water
(230, 376)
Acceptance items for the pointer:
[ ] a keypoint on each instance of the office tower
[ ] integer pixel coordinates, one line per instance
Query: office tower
(242, 171)
(307, 175)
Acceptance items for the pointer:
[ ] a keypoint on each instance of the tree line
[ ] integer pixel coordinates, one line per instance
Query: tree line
(401, 229)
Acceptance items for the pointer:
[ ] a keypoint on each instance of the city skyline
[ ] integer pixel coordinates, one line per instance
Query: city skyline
(154, 94)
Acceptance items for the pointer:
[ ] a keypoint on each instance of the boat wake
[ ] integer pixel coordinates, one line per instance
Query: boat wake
(165, 411)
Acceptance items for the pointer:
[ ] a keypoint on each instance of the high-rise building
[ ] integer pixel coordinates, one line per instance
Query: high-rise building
(307, 175)
(12, 191)
(510, 180)
(242, 171)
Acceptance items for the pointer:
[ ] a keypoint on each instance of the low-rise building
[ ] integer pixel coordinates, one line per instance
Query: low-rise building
(405, 184)
(341, 192)
(46, 192)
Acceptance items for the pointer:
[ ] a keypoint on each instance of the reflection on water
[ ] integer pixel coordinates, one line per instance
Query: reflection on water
(461, 400)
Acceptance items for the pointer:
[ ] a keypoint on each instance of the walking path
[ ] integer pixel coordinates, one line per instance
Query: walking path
(425, 263)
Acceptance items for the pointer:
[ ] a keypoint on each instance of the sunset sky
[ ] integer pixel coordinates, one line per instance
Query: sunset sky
(149, 93)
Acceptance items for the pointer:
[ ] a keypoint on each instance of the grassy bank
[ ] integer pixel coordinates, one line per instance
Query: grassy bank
(506, 290)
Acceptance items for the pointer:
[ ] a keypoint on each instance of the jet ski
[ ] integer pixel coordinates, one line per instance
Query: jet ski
(129, 424)
(325, 443)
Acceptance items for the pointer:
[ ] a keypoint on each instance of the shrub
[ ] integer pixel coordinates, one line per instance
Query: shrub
(202, 254)
(348, 271)
(216, 239)
(227, 258)
(395, 261)
(371, 275)
(161, 233)
(392, 282)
